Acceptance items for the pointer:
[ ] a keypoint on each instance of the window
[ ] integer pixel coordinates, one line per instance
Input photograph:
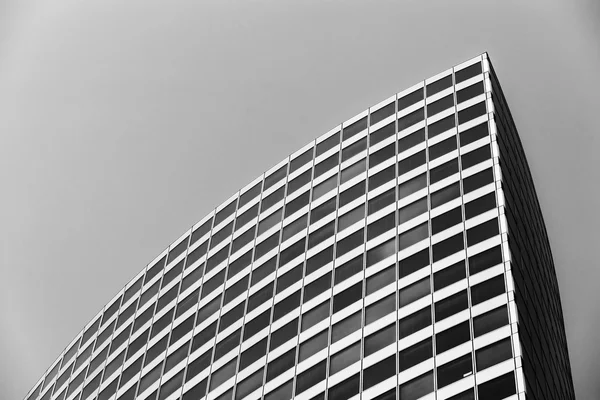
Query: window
(441, 126)
(350, 243)
(110, 311)
(445, 195)
(381, 279)
(150, 273)
(348, 269)
(379, 372)
(328, 143)
(355, 128)
(282, 392)
(221, 235)
(379, 340)
(226, 345)
(292, 252)
(380, 309)
(383, 113)
(493, 354)
(354, 149)
(451, 305)
(410, 99)
(412, 186)
(344, 358)
(222, 374)
(413, 263)
(168, 278)
(413, 236)
(448, 247)
(487, 289)
(324, 187)
(217, 258)
(472, 112)
(412, 162)
(186, 327)
(452, 337)
(475, 133)
(313, 346)
(353, 193)
(454, 370)
(246, 217)
(194, 368)
(480, 205)
(382, 201)
(381, 226)
(289, 278)
(446, 220)
(283, 334)
(440, 105)
(196, 254)
(417, 387)
(353, 171)
(242, 240)
(281, 364)
(498, 388)
(201, 231)
(225, 212)
(411, 140)
(323, 210)
(311, 377)
(382, 177)
(468, 72)
(257, 324)
(275, 177)
(469, 92)
(439, 85)
(443, 171)
(180, 248)
(346, 327)
(263, 271)
(286, 306)
(236, 289)
(301, 160)
(321, 234)
(415, 354)
(213, 283)
(449, 275)
(347, 297)
(317, 287)
(162, 323)
(412, 210)
(382, 155)
(381, 252)
(327, 164)
(478, 180)
(351, 217)
(319, 260)
(490, 321)
(245, 387)
(272, 199)
(441, 148)
(299, 181)
(475, 157)
(483, 231)
(414, 292)
(382, 133)
(411, 119)
(231, 317)
(260, 297)
(266, 245)
(209, 309)
(297, 204)
(157, 349)
(204, 336)
(485, 260)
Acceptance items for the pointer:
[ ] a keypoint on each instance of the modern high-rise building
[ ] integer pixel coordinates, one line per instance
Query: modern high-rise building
(401, 255)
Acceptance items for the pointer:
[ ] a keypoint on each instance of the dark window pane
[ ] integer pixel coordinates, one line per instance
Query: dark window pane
(379, 372)
(379, 340)
(354, 149)
(353, 171)
(350, 243)
(275, 177)
(253, 353)
(223, 374)
(473, 134)
(231, 316)
(383, 113)
(157, 349)
(382, 201)
(217, 258)
(176, 357)
(355, 128)
(411, 119)
(196, 254)
(221, 235)
(272, 199)
(324, 187)
(283, 334)
(344, 358)
(417, 387)
(381, 252)
(170, 275)
(266, 245)
(442, 148)
(323, 210)
(382, 177)
(177, 250)
(204, 336)
(439, 85)
(412, 162)
(182, 329)
(449, 275)
(110, 368)
(263, 271)
(250, 194)
(414, 292)
(197, 392)
(313, 346)
(440, 105)
(133, 289)
(289, 278)
(236, 289)
(319, 260)
(260, 297)
(382, 155)
(282, 392)
(197, 366)
(487, 289)
(348, 269)
(443, 171)
(257, 324)
(317, 287)
(297, 204)
(412, 186)
(493, 354)
(410, 99)
(466, 395)
(482, 232)
(292, 252)
(150, 273)
(347, 297)
(345, 327)
(382, 133)
(321, 234)
(414, 322)
(485, 260)
(301, 160)
(472, 112)
(116, 343)
(311, 377)
(381, 226)
(381, 279)
(454, 370)
(248, 385)
(413, 236)
(476, 156)
(409, 141)
(299, 181)
(446, 220)
(480, 205)
(380, 309)
(478, 180)
(281, 364)
(286, 306)
(452, 337)
(469, 92)
(171, 386)
(213, 283)
(225, 212)
(315, 316)
(413, 263)
(441, 126)
(327, 164)
(201, 231)
(448, 247)
(353, 193)
(412, 210)
(415, 354)
(247, 216)
(328, 143)
(110, 311)
(162, 323)
(468, 72)
(498, 388)
(351, 217)
(209, 309)
(445, 195)
(451, 305)
(239, 264)
(296, 226)
(226, 345)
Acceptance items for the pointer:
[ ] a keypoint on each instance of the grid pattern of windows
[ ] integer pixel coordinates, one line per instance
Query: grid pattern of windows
(370, 261)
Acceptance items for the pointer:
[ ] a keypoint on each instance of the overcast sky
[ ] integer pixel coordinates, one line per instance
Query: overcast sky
(122, 123)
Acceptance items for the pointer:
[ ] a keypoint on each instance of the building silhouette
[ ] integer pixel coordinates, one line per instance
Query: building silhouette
(402, 255)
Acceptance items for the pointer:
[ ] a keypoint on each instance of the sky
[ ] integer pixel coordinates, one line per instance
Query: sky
(122, 123)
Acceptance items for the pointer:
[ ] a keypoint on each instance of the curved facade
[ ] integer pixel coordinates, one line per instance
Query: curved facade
(377, 262)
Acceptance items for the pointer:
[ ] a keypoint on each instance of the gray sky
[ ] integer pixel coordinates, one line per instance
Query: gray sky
(122, 123)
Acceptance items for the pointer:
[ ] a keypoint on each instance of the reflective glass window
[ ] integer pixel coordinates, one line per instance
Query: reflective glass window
(236, 289)
(483, 231)
(327, 164)
(445, 195)
(442, 148)
(226, 345)
(328, 143)
(382, 155)
(412, 210)
(344, 358)
(411, 140)
(472, 112)
(383, 113)
(485, 260)
(353, 193)
(196, 392)
(311, 377)
(382, 133)
(266, 245)
(490, 321)
(257, 324)
(380, 309)
(440, 105)
(349, 269)
(412, 186)
(347, 297)
(283, 334)
(297, 204)
(345, 327)
(412, 162)
(286, 306)
(250, 194)
(223, 374)
(289, 278)
(275, 177)
(439, 85)
(448, 247)
(443, 171)
(452, 337)
(229, 318)
(353, 171)
(382, 177)
(480, 205)
(204, 336)
(381, 279)
(411, 119)
(475, 157)
(467, 72)
(313, 345)
(317, 287)
(247, 216)
(177, 250)
(321, 234)
(324, 187)
(260, 297)
(413, 236)
(487, 289)
(379, 372)
(414, 322)
(319, 260)
(301, 160)
(478, 180)
(469, 92)
(451, 305)
(410, 99)
(295, 227)
(413, 263)
(446, 220)
(449, 275)
(417, 387)
(355, 148)
(315, 315)
(475, 133)
(379, 340)
(498, 388)
(415, 354)
(414, 292)
(383, 200)
(299, 181)
(281, 364)
(355, 128)
(441, 126)
(493, 354)
(382, 225)
(454, 370)
(253, 353)
(150, 273)
(272, 199)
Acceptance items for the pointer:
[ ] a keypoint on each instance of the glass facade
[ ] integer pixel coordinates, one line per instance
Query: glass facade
(402, 255)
